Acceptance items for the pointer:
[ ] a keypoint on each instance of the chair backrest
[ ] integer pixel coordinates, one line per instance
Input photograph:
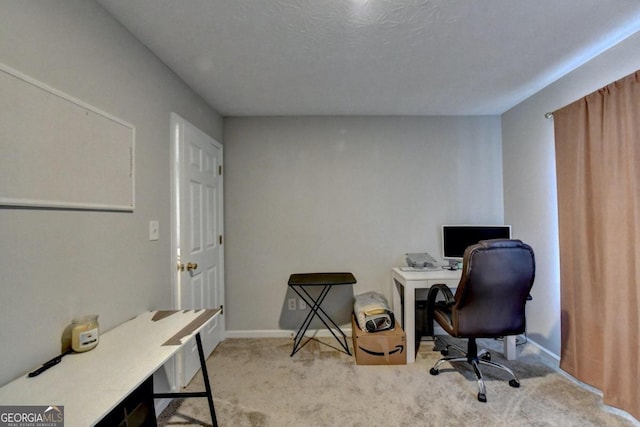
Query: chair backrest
(497, 276)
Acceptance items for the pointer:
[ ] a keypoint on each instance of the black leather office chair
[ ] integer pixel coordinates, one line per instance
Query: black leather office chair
(489, 302)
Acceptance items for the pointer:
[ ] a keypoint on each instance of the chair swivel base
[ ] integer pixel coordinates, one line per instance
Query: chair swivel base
(482, 358)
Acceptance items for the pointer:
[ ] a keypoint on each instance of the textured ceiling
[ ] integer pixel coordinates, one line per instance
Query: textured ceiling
(373, 57)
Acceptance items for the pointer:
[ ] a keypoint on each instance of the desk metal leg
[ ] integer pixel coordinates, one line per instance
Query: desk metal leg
(207, 386)
(317, 311)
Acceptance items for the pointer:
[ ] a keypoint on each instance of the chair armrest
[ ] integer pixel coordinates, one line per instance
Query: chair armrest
(431, 302)
(446, 293)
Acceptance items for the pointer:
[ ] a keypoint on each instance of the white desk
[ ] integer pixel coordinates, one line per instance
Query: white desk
(89, 385)
(404, 285)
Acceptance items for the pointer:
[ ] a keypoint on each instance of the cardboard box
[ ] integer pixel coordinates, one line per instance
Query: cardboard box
(379, 348)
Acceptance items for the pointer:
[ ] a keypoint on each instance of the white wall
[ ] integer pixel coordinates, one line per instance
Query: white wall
(529, 177)
(346, 193)
(58, 264)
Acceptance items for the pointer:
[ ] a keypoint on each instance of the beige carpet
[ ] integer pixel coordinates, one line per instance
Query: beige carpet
(256, 383)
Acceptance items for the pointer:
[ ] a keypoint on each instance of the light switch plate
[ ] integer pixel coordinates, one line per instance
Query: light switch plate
(154, 230)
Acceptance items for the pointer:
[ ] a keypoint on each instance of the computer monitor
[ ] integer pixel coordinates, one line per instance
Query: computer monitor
(456, 238)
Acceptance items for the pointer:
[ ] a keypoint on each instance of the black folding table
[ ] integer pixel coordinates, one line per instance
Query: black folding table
(299, 283)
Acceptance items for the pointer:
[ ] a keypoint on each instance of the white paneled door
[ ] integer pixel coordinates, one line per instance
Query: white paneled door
(199, 281)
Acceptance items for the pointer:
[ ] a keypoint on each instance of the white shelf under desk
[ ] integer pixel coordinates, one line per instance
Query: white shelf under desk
(89, 385)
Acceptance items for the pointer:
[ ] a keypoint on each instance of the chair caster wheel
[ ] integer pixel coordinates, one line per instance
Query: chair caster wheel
(482, 397)
(444, 352)
(514, 383)
(486, 357)
(434, 371)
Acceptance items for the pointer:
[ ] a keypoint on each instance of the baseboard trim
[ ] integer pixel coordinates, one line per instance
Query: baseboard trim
(321, 333)
(282, 333)
(544, 350)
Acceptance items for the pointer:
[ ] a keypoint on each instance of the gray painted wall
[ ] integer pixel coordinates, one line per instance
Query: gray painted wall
(530, 180)
(346, 194)
(58, 264)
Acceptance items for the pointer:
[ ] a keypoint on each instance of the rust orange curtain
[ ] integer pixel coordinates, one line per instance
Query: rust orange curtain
(598, 166)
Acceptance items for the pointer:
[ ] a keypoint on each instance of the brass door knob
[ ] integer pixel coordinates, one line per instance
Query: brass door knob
(191, 266)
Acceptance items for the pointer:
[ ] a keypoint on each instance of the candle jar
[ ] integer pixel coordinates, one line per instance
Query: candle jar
(84, 333)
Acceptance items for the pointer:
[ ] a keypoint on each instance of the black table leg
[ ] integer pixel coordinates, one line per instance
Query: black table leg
(207, 393)
(317, 311)
(205, 375)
